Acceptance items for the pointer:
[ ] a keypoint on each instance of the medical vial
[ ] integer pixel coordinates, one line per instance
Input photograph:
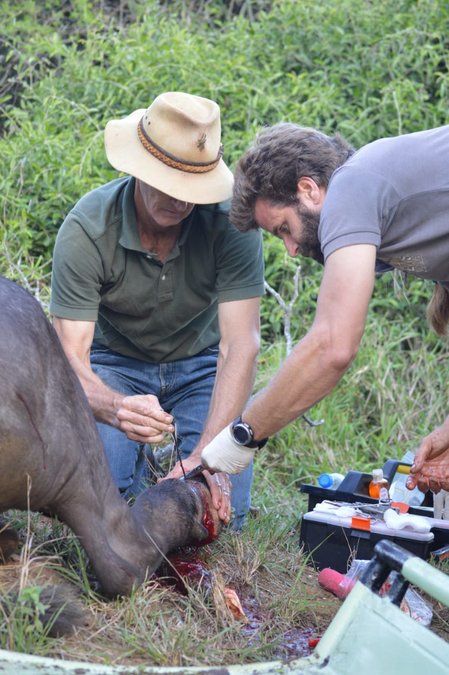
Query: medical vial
(378, 487)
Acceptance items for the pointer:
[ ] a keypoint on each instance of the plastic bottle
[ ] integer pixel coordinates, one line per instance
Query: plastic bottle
(398, 492)
(412, 497)
(330, 480)
(378, 487)
(335, 582)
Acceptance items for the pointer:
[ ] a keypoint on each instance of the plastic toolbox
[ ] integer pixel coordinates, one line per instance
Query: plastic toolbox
(334, 542)
(354, 488)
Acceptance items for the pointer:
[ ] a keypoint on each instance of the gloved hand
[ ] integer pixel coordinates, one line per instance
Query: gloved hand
(224, 454)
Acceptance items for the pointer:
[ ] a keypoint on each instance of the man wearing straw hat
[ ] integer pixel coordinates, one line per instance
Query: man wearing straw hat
(155, 296)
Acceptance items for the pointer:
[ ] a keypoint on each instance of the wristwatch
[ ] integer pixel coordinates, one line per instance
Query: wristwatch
(243, 434)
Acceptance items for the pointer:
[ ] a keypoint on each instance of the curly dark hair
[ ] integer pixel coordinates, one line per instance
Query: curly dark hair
(272, 167)
(438, 310)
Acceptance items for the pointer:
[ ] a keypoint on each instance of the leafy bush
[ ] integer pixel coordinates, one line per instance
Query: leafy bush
(364, 69)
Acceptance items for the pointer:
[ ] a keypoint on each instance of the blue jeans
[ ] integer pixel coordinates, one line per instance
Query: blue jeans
(184, 389)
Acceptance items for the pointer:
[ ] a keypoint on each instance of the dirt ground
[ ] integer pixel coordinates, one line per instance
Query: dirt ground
(252, 614)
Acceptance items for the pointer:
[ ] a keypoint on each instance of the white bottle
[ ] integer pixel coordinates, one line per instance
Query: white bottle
(413, 497)
(398, 492)
(330, 481)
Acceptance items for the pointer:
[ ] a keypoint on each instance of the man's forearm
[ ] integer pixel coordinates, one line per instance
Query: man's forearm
(319, 360)
(103, 400)
(76, 340)
(233, 385)
(307, 375)
(139, 416)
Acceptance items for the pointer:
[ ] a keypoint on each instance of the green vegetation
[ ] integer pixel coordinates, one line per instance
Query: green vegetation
(365, 69)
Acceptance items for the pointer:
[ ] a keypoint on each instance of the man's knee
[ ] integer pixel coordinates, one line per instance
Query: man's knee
(122, 454)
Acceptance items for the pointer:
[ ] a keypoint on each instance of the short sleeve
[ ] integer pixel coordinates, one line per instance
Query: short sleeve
(240, 266)
(76, 274)
(353, 210)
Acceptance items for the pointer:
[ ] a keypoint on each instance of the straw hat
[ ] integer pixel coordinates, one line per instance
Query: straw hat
(174, 146)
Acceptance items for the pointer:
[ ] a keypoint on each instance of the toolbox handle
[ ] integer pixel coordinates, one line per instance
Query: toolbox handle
(390, 468)
(356, 482)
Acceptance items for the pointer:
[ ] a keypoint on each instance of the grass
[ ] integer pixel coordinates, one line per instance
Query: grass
(264, 565)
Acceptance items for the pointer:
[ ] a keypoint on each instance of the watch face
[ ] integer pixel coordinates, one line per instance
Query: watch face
(242, 434)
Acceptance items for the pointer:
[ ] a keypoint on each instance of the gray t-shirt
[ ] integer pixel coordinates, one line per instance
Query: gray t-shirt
(394, 193)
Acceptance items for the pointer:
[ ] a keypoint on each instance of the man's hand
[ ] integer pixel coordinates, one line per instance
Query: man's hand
(218, 484)
(224, 454)
(188, 464)
(430, 470)
(142, 419)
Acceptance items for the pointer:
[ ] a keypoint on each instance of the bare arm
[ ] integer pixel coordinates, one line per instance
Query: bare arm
(315, 365)
(320, 359)
(140, 417)
(236, 369)
(239, 346)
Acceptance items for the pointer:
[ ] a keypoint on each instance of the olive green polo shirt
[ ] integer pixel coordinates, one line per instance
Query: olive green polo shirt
(143, 308)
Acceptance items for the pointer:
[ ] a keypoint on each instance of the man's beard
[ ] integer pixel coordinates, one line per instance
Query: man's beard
(309, 245)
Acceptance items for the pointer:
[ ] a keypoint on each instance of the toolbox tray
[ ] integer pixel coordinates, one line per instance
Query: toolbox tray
(333, 542)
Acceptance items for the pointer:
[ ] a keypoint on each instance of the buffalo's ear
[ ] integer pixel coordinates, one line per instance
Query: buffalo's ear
(199, 532)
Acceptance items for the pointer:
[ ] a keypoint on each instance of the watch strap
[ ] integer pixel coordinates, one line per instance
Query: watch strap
(252, 443)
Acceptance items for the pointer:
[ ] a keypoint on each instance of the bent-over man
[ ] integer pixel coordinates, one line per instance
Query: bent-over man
(383, 207)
